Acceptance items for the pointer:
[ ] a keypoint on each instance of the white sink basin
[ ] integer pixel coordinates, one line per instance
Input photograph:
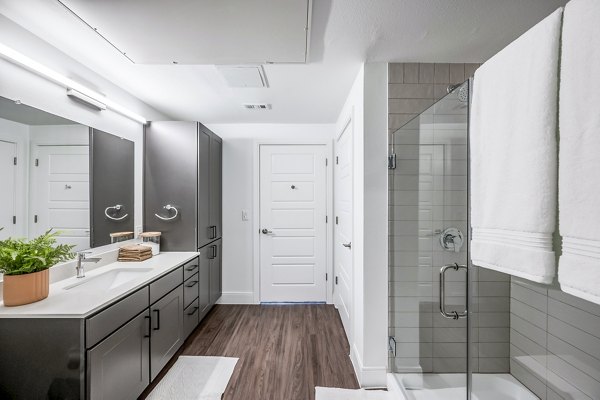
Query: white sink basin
(109, 279)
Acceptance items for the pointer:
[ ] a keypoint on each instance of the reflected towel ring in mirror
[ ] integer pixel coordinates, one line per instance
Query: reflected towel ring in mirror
(168, 207)
(117, 208)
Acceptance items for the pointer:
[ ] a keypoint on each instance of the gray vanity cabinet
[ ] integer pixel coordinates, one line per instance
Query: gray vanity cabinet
(112, 354)
(118, 365)
(167, 329)
(215, 273)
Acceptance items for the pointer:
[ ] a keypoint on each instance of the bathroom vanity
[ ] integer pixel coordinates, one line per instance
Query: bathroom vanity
(108, 335)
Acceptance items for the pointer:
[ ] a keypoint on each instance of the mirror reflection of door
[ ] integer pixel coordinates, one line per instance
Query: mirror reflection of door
(60, 193)
(112, 187)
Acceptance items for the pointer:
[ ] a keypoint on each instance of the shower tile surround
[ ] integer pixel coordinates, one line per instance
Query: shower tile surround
(547, 339)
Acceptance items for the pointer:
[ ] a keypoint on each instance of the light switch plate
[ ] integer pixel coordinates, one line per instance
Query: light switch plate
(138, 231)
(244, 215)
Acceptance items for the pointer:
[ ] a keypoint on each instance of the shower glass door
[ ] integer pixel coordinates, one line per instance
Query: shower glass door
(429, 325)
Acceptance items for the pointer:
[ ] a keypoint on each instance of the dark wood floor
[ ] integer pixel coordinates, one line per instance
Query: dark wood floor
(284, 351)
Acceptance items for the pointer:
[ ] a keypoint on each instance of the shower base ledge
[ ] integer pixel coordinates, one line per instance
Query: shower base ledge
(452, 387)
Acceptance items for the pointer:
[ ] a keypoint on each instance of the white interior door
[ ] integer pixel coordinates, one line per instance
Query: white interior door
(342, 253)
(293, 237)
(61, 193)
(8, 173)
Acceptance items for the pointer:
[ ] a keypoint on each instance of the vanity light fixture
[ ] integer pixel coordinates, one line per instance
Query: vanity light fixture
(87, 100)
(22, 60)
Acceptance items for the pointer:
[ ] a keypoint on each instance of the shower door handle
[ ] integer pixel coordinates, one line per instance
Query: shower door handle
(452, 314)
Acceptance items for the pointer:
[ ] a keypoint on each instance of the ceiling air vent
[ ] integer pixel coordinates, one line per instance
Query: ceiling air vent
(257, 106)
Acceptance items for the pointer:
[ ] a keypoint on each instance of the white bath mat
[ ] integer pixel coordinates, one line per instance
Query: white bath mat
(195, 378)
(325, 393)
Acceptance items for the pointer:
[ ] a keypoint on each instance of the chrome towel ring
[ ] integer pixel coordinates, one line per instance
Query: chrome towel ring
(168, 207)
(116, 208)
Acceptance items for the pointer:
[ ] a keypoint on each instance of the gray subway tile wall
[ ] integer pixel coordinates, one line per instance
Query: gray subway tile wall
(554, 342)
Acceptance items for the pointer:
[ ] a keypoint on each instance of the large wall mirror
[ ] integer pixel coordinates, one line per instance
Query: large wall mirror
(56, 174)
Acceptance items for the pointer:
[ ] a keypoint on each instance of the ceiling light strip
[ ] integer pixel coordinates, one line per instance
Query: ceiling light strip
(32, 65)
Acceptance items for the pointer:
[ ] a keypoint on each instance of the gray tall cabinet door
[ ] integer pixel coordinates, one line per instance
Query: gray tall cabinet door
(118, 367)
(205, 232)
(112, 184)
(216, 157)
(215, 272)
(171, 179)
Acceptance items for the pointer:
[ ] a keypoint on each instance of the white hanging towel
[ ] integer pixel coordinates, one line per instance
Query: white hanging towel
(514, 155)
(579, 157)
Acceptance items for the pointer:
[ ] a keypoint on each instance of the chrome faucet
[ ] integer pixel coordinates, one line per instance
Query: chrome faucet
(81, 259)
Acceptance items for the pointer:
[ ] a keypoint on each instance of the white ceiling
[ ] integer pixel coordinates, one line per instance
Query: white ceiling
(344, 33)
(200, 31)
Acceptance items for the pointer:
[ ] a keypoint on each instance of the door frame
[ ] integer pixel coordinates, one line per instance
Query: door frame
(348, 124)
(256, 209)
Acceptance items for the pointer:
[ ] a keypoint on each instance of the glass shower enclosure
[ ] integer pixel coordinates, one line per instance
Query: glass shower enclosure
(429, 324)
(448, 327)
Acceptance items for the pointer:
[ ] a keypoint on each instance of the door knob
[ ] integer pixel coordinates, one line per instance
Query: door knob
(348, 245)
(266, 231)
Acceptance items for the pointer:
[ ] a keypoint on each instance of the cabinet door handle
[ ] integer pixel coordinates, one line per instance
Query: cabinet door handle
(157, 325)
(212, 232)
(147, 319)
(193, 311)
(192, 284)
(213, 252)
(191, 268)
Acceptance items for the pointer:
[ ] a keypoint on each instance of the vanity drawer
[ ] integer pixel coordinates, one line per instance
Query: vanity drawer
(191, 318)
(164, 285)
(109, 320)
(190, 290)
(190, 268)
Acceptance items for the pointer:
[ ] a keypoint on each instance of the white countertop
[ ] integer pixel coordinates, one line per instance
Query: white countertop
(79, 303)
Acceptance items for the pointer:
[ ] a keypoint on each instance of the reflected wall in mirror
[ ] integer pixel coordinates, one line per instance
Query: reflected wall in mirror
(46, 181)
(112, 188)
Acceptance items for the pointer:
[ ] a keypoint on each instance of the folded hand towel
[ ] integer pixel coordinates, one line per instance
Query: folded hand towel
(514, 155)
(135, 252)
(579, 158)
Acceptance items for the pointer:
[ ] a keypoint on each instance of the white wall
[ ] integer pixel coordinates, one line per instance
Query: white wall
(238, 169)
(375, 256)
(17, 83)
(367, 105)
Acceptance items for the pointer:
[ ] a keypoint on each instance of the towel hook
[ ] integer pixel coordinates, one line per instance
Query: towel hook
(116, 208)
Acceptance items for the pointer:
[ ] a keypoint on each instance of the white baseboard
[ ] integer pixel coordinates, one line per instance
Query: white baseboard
(368, 377)
(237, 298)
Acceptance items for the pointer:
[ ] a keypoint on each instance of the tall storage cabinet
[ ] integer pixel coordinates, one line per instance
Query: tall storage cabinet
(171, 186)
(182, 196)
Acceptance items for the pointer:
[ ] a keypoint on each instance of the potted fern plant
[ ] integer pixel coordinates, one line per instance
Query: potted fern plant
(25, 265)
